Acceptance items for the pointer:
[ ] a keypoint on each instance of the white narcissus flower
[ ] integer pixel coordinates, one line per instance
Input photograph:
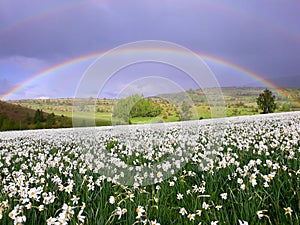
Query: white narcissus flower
(266, 184)
(75, 200)
(205, 205)
(5, 204)
(201, 189)
(51, 221)
(13, 214)
(112, 200)
(179, 196)
(253, 182)
(154, 222)
(32, 193)
(182, 211)
(288, 211)
(191, 217)
(159, 175)
(140, 211)
(119, 212)
(218, 207)
(83, 206)
(41, 208)
(80, 217)
(243, 222)
(260, 213)
(69, 189)
(199, 212)
(223, 196)
(20, 219)
(130, 196)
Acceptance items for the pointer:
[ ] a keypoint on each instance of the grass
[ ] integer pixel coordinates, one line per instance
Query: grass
(239, 101)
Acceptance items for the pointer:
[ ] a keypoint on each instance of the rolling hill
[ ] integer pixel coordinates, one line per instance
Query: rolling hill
(18, 117)
(238, 101)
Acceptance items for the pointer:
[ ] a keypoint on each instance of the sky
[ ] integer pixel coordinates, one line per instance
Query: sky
(244, 43)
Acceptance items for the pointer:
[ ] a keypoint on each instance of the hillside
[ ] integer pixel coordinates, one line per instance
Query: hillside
(239, 101)
(18, 117)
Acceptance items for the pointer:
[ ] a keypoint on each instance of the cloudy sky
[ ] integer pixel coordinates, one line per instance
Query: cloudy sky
(238, 40)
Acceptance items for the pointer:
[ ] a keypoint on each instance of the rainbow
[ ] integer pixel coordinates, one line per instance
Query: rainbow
(95, 55)
(77, 5)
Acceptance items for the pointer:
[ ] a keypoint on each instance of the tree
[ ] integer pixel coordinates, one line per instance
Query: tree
(3, 117)
(134, 106)
(186, 111)
(28, 118)
(266, 101)
(38, 116)
(145, 107)
(50, 122)
(122, 109)
(6, 123)
(285, 107)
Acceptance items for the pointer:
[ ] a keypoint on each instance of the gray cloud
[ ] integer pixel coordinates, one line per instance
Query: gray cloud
(251, 35)
(4, 86)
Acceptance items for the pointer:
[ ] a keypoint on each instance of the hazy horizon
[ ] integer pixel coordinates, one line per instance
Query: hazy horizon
(275, 92)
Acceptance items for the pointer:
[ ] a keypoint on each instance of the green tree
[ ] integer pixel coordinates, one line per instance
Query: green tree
(186, 111)
(28, 118)
(38, 116)
(3, 117)
(285, 107)
(50, 122)
(121, 110)
(266, 101)
(145, 107)
(134, 106)
(6, 123)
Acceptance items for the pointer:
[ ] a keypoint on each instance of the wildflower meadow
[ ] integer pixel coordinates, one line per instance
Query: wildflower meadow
(242, 170)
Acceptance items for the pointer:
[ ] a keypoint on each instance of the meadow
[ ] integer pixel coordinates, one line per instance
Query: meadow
(240, 170)
(238, 102)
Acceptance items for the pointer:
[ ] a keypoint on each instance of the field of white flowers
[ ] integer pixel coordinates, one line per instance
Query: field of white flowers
(238, 171)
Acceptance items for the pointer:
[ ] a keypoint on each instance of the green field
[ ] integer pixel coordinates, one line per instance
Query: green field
(238, 102)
